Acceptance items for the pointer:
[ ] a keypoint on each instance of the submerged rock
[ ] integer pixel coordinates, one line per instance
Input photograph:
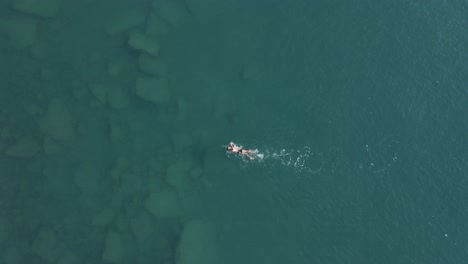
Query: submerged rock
(153, 90)
(11, 255)
(126, 20)
(25, 147)
(58, 122)
(197, 244)
(142, 227)
(43, 8)
(164, 204)
(172, 11)
(155, 25)
(21, 31)
(99, 91)
(87, 178)
(117, 97)
(177, 175)
(143, 43)
(114, 249)
(68, 257)
(103, 218)
(46, 245)
(152, 65)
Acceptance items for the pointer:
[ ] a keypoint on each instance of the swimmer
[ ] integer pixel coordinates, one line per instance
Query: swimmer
(238, 150)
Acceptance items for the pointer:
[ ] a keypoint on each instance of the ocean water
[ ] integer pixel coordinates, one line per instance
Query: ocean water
(358, 108)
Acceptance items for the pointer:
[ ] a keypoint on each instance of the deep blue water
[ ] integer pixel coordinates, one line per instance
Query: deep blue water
(378, 92)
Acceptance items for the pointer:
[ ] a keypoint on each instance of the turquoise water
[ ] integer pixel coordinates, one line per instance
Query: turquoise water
(359, 109)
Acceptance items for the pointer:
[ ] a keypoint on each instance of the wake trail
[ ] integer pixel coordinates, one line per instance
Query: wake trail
(300, 160)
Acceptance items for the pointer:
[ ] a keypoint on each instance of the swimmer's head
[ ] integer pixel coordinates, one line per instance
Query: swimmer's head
(229, 148)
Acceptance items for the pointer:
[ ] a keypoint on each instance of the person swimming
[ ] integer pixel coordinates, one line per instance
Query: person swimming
(240, 151)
